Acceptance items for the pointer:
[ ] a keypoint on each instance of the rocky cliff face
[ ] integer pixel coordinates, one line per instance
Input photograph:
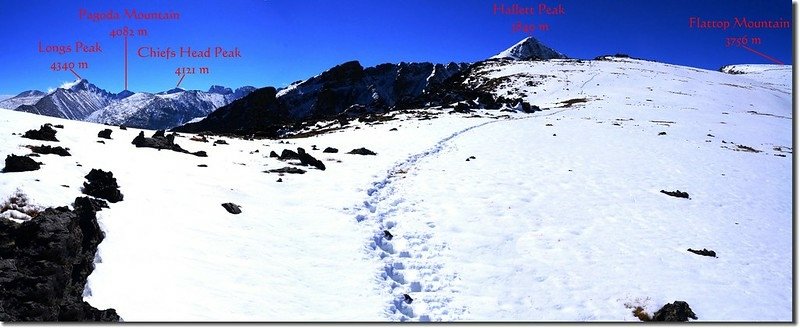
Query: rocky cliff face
(259, 113)
(344, 89)
(44, 264)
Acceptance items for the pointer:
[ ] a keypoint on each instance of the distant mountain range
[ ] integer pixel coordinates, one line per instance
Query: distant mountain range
(81, 100)
(346, 90)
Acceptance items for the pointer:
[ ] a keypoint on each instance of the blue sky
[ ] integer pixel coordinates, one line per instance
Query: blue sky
(282, 41)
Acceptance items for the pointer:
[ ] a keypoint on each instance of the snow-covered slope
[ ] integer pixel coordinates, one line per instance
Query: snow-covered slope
(529, 49)
(29, 97)
(557, 215)
(769, 75)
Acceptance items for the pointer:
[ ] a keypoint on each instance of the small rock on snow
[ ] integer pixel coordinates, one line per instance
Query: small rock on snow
(362, 151)
(232, 208)
(676, 193)
(703, 252)
(105, 134)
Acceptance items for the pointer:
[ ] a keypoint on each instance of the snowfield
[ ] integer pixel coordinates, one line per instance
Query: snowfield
(556, 215)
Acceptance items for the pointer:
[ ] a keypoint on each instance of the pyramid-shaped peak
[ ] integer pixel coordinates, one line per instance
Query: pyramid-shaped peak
(529, 49)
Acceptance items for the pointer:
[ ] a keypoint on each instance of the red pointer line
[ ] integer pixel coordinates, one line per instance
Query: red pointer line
(762, 55)
(76, 74)
(181, 80)
(126, 62)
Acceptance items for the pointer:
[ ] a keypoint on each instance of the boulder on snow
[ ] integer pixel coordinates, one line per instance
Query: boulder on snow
(273, 154)
(16, 163)
(677, 311)
(288, 154)
(330, 150)
(156, 141)
(232, 208)
(102, 184)
(45, 150)
(105, 134)
(362, 151)
(220, 142)
(388, 235)
(676, 193)
(407, 298)
(45, 133)
(309, 160)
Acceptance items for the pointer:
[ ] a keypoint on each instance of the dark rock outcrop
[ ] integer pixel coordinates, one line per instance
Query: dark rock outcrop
(330, 150)
(44, 264)
(200, 138)
(287, 169)
(258, 114)
(232, 208)
(346, 90)
(287, 154)
(16, 163)
(105, 134)
(703, 252)
(676, 193)
(102, 184)
(45, 150)
(161, 141)
(95, 204)
(362, 151)
(45, 133)
(309, 160)
(677, 311)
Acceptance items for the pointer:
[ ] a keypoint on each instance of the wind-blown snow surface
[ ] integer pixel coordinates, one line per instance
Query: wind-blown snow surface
(560, 222)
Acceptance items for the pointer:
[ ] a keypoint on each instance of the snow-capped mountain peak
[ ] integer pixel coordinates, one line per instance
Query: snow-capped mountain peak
(29, 97)
(74, 84)
(31, 93)
(529, 49)
(220, 90)
(171, 91)
(124, 94)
